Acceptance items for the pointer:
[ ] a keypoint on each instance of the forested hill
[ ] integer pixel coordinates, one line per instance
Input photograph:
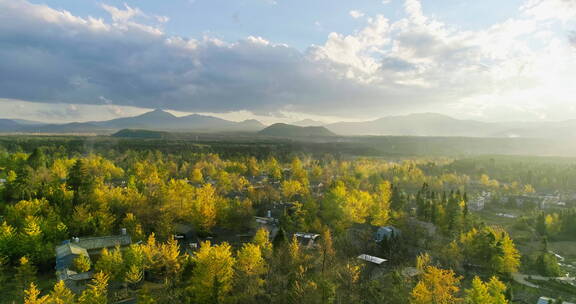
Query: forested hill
(286, 130)
(143, 134)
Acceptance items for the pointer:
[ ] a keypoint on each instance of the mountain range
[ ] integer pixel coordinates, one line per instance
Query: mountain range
(153, 120)
(423, 124)
(431, 124)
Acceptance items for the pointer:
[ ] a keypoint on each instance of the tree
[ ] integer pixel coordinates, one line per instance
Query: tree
(249, 269)
(196, 176)
(381, 207)
(204, 209)
(3, 269)
(144, 296)
(491, 292)
(169, 259)
(97, 291)
(32, 296)
(478, 293)
(61, 295)
(262, 239)
(491, 248)
(82, 263)
(25, 274)
(213, 272)
(37, 159)
(547, 264)
(111, 263)
(134, 275)
(291, 188)
(435, 286)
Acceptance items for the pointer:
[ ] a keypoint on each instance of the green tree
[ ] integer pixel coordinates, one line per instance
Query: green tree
(249, 269)
(262, 239)
(97, 291)
(213, 273)
(435, 285)
(32, 296)
(82, 263)
(61, 294)
(491, 292)
(25, 274)
(111, 263)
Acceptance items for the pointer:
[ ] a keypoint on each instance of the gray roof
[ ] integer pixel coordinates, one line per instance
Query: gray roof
(371, 259)
(102, 242)
(386, 232)
(66, 253)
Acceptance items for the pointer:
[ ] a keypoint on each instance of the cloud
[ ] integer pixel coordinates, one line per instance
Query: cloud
(122, 15)
(415, 63)
(356, 14)
(564, 10)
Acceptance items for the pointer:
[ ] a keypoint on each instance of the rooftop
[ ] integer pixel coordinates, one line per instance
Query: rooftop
(91, 243)
(371, 259)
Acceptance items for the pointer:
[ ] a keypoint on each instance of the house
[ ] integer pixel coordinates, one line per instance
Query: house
(386, 233)
(67, 253)
(96, 244)
(372, 259)
(307, 240)
(478, 203)
(546, 300)
(269, 223)
(187, 237)
(69, 250)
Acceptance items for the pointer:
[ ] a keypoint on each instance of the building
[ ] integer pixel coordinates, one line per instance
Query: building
(386, 233)
(269, 223)
(69, 250)
(478, 203)
(371, 259)
(186, 237)
(307, 240)
(546, 300)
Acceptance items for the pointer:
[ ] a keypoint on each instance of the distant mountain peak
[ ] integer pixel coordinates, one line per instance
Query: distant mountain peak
(158, 113)
(308, 123)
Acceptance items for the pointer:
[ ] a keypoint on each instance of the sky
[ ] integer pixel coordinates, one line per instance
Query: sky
(286, 60)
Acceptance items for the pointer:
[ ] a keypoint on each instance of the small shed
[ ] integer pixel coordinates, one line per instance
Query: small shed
(386, 233)
(372, 259)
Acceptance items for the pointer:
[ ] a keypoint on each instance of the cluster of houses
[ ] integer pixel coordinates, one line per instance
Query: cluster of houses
(543, 201)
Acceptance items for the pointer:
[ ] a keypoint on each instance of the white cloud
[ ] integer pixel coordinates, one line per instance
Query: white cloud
(417, 62)
(356, 14)
(122, 15)
(162, 19)
(564, 10)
